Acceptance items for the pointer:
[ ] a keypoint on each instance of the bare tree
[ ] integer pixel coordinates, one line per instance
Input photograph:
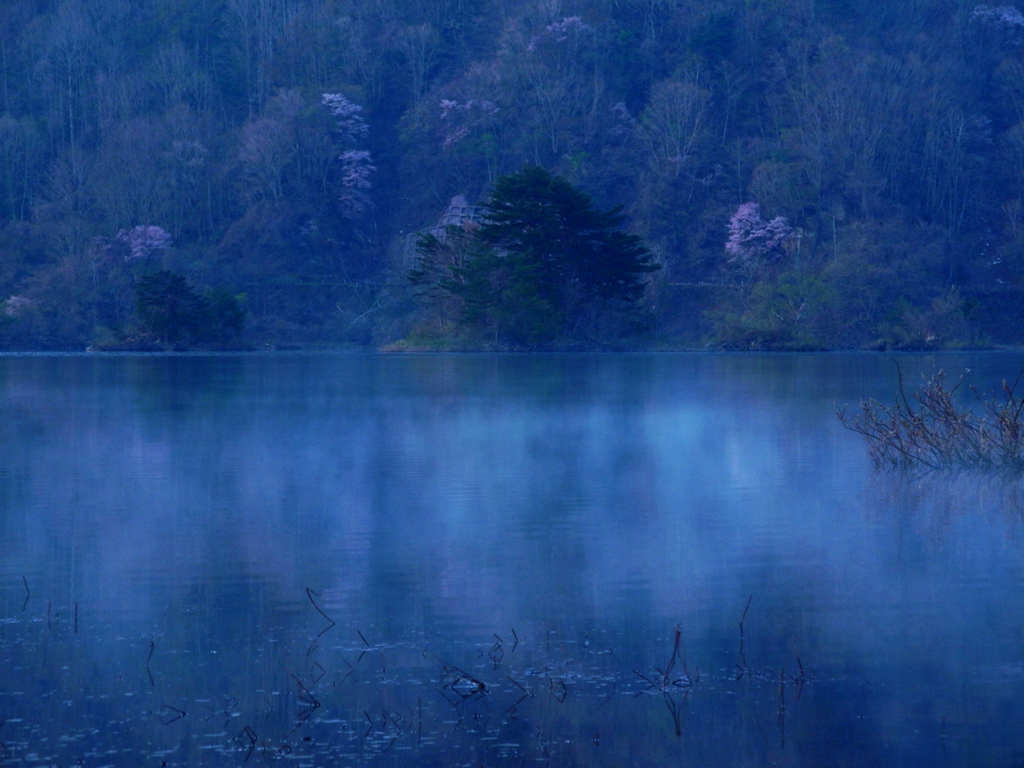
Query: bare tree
(66, 64)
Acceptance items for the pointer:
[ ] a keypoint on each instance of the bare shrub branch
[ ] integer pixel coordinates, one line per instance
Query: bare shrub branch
(930, 430)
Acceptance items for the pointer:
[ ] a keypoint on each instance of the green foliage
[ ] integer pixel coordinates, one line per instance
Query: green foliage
(890, 135)
(169, 309)
(172, 313)
(568, 251)
(225, 315)
(795, 311)
(544, 265)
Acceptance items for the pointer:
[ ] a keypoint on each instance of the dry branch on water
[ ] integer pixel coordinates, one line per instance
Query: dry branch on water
(932, 431)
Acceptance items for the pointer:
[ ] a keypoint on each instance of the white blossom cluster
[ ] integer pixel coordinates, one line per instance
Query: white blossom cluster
(460, 117)
(559, 31)
(1005, 18)
(144, 240)
(751, 238)
(357, 165)
(16, 306)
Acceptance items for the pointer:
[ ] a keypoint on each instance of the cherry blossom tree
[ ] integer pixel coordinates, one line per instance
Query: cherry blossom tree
(16, 306)
(1004, 17)
(461, 117)
(350, 125)
(754, 242)
(145, 240)
(1002, 28)
(356, 164)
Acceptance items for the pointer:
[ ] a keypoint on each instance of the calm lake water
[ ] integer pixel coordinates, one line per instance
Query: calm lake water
(641, 560)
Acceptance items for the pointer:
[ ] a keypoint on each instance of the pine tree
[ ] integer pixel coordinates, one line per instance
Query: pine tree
(551, 264)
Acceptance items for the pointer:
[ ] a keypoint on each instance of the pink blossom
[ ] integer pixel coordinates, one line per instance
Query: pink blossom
(455, 136)
(1005, 16)
(144, 240)
(622, 111)
(18, 305)
(559, 31)
(357, 167)
(752, 239)
(350, 125)
(447, 105)
(462, 117)
(356, 164)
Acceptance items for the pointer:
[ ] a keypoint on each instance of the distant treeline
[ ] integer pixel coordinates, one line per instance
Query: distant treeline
(806, 174)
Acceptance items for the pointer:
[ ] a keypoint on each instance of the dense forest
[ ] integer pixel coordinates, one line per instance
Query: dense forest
(806, 174)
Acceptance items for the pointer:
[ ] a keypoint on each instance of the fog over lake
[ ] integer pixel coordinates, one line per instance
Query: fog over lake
(635, 560)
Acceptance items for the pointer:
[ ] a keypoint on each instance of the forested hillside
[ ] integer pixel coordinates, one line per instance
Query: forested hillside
(838, 173)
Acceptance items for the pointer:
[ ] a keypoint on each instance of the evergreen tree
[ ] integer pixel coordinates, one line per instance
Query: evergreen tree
(173, 313)
(545, 263)
(169, 308)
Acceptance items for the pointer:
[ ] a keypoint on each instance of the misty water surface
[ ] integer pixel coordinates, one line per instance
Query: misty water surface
(476, 560)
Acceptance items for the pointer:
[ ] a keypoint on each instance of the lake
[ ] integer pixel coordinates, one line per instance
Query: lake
(586, 560)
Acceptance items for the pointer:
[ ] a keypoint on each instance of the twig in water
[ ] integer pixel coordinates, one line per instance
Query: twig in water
(394, 720)
(676, 710)
(558, 689)
(685, 681)
(311, 594)
(331, 623)
(526, 695)
(609, 698)
(650, 683)
(351, 669)
(742, 666)
(497, 652)
(516, 638)
(305, 697)
(229, 704)
(517, 685)
(666, 680)
(459, 682)
(250, 735)
(937, 434)
(169, 714)
(152, 647)
(800, 679)
(28, 594)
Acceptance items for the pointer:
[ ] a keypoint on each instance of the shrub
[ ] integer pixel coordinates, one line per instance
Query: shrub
(936, 433)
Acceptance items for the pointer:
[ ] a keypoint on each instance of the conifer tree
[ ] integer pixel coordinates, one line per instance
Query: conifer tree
(547, 264)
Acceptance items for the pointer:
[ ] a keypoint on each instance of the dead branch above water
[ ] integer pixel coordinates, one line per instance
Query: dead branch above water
(931, 431)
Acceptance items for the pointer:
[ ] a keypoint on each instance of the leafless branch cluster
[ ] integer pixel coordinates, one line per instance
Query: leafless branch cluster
(931, 430)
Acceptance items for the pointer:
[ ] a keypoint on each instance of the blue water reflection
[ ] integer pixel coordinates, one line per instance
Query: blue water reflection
(465, 560)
